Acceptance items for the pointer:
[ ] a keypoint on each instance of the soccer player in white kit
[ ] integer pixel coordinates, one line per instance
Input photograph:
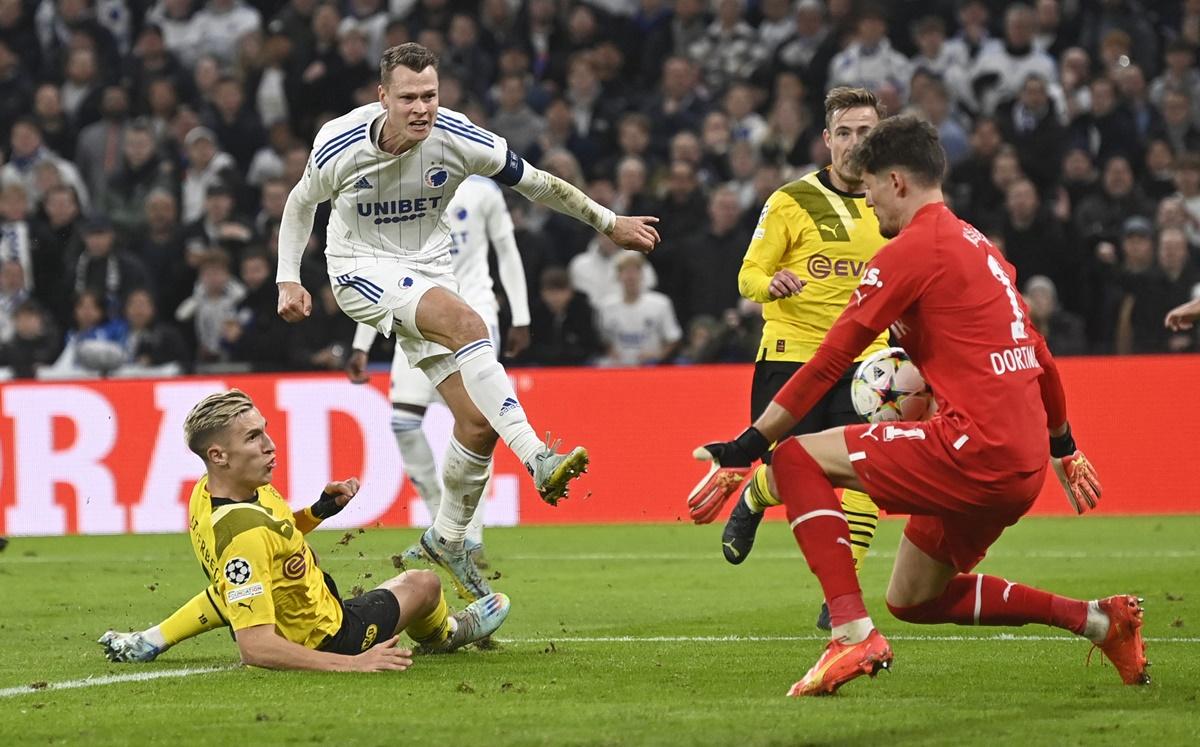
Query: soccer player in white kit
(478, 219)
(390, 170)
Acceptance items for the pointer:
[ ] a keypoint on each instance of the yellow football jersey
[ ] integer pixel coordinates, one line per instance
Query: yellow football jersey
(262, 571)
(826, 237)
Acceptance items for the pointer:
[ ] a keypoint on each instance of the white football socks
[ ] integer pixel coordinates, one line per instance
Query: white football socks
(464, 475)
(475, 528)
(855, 631)
(417, 457)
(487, 384)
(1095, 629)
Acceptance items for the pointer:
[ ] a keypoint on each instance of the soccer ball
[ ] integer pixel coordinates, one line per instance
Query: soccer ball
(887, 387)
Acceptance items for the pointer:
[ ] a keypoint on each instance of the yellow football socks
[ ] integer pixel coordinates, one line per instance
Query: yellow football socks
(863, 516)
(196, 616)
(433, 629)
(759, 496)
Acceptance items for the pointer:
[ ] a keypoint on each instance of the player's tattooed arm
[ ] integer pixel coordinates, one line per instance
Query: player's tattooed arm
(631, 232)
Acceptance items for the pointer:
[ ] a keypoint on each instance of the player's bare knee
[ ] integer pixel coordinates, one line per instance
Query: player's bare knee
(466, 327)
(423, 588)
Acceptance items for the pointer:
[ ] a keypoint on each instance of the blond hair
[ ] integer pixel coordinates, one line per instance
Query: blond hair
(212, 415)
(844, 97)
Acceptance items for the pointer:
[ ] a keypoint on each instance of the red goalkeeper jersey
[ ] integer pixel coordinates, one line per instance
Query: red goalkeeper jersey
(951, 300)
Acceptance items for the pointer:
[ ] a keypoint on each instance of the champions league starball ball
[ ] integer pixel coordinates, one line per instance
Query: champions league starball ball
(888, 387)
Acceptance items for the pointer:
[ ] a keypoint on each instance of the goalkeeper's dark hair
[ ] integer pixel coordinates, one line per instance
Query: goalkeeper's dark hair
(902, 142)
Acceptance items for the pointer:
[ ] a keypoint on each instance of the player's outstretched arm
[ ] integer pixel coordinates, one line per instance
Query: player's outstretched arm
(631, 232)
(261, 646)
(1183, 317)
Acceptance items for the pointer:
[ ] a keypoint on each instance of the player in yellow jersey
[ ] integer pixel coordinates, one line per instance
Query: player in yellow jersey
(813, 239)
(265, 582)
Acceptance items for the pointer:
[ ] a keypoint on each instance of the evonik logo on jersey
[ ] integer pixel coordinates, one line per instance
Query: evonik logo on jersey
(821, 267)
(398, 211)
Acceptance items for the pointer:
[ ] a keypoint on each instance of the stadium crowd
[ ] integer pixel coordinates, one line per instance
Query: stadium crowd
(147, 150)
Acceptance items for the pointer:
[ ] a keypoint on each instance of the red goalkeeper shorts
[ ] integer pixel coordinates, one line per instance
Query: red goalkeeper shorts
(957, 508)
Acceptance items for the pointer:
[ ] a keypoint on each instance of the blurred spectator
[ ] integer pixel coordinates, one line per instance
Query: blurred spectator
(1002, 69)
(95, 344)
(1178, 121)
(212, 305)
(1119, 274)
(1187, 182)
(180, 32)
(1101, 215)
(1032, 126)
(935, 104)
(632, 189)
(1108, 129)
(869, 61)
(153, 348)
(682, 208)
(141, 170)
(514, 120)
(777, 24)
(809, 47)
(640, 327)
(1064, 331)
(27, 153)
(13, 293)
(58, 131)
(321, 343)
(219, 226)
(98, 150)
(562, 324)
(1147, 120)
(594, 273)
(207, 166)
(34, 343)
(257, 334)
(220, 24)
(679, 102)
(1129, 17)
(971, 179)
(160, 246)
(16, 85)
(1171, 282)
(1035, 241)
(729, 49)
(1180, 74)
(1079, 177)
(1158, 170)
(106, 267)
(234, 124)
(83, 87)
(704, 274)
(688, 24)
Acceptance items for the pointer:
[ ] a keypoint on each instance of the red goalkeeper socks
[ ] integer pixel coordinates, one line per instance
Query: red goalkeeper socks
(971, 599)
(820, 527)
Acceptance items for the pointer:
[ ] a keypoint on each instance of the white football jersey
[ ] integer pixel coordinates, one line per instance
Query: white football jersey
(393, 207)
(476, 216)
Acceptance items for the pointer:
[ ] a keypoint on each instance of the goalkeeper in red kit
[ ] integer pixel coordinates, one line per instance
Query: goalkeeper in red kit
(963, 476)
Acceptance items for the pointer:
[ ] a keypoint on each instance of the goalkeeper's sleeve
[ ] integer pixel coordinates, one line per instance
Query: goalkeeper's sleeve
(1053, 397)
(199, 614)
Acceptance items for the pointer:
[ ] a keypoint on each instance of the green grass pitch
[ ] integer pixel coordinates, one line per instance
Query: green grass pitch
(618, 635)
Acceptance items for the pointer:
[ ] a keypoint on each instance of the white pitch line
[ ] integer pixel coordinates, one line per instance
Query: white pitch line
(1004, 637)
(640, 557)
(111, 679)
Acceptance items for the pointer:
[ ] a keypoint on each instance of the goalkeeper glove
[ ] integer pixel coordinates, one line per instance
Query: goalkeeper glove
(731, 462)
(1075, 473)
